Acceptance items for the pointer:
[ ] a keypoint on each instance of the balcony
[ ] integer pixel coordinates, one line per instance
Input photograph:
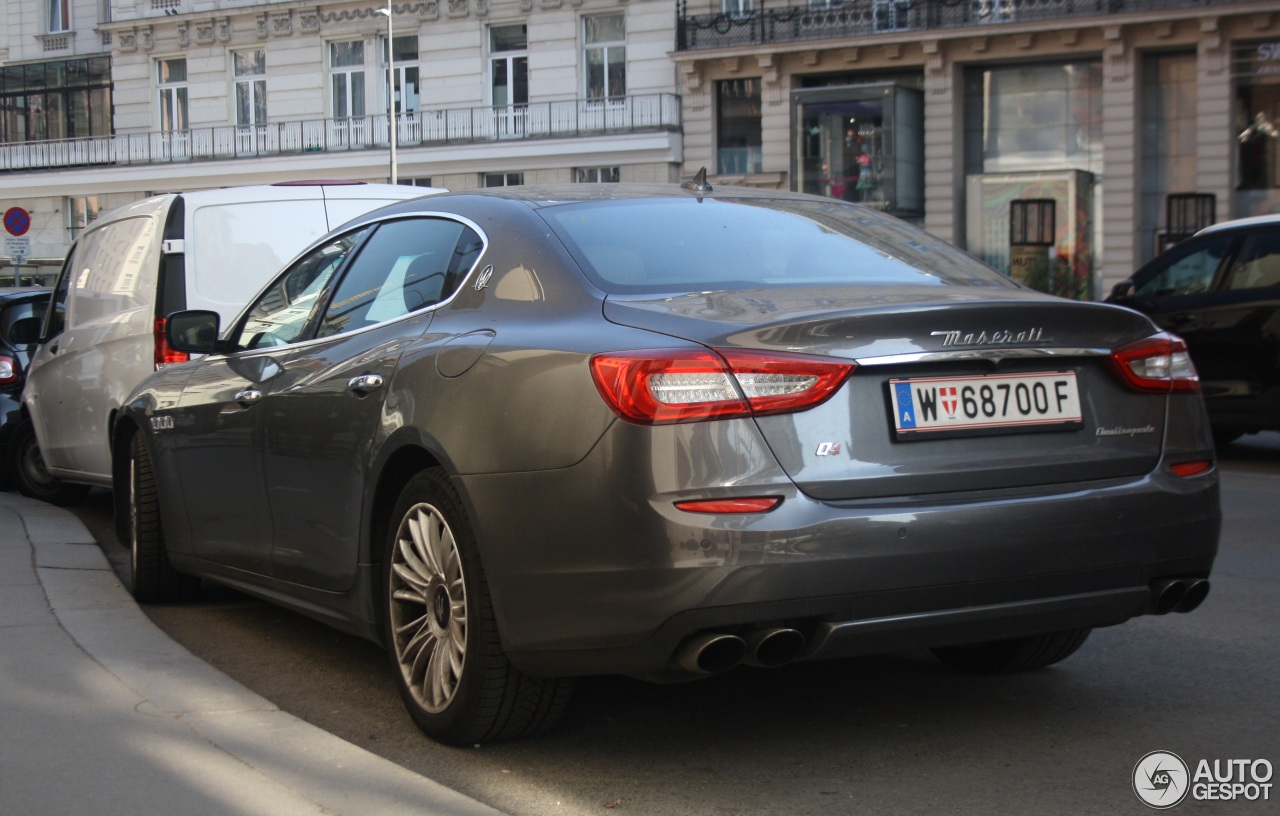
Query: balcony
(833, 19)
(430, 128)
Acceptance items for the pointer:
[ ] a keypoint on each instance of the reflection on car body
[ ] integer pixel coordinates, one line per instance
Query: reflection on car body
(524, 434)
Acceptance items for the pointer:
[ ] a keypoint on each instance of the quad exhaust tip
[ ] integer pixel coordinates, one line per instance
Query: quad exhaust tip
(1178, 594)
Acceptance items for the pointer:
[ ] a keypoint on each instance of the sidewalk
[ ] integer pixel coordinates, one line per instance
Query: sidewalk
(103, 714)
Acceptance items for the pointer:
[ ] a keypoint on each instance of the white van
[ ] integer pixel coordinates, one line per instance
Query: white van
(104, 330)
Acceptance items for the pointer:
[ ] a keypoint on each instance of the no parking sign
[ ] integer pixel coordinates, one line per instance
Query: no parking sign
(16, 245)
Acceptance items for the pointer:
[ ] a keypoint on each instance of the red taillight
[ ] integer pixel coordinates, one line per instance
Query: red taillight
(165, 355)
(663, 386)
(1160, 364)
(9, 372)
(1185, 469)
(762, 504)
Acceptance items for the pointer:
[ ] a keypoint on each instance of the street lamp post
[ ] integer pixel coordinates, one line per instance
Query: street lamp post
(391, 88)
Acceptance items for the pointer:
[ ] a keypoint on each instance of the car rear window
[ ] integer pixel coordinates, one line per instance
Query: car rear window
(675, 244)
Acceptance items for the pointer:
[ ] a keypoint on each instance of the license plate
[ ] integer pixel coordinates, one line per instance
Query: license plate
(987, 404)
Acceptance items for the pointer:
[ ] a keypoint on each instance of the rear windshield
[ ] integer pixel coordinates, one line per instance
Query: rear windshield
(681, 245)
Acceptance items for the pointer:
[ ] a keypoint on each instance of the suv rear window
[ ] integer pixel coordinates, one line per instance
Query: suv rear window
(681, 245)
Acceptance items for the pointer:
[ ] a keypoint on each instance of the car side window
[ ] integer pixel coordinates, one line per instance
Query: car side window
(1258, 266)
(55, 318)
(405, 266)
(285, 310)
(1188, 270)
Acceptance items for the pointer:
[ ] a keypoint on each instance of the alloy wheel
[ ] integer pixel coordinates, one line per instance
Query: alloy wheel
(428, 607)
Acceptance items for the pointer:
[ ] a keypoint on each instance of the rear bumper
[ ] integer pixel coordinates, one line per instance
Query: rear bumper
(598, 584)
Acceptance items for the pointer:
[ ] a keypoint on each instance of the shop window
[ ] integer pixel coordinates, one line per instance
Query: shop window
(1257, 127)
(738, 130)
(862, 143)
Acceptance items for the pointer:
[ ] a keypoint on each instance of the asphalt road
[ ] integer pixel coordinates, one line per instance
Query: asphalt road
(895, 734)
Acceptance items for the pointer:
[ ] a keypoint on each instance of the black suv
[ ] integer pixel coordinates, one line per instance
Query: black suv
(1220, 291)
(15, 304)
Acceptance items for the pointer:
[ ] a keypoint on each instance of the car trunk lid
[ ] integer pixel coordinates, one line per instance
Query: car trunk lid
(998, 343)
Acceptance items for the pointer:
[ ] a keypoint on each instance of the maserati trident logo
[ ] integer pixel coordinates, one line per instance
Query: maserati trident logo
(998, 337)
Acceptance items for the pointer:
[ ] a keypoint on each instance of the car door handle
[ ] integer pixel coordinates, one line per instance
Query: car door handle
(249, 396)
(364, 383)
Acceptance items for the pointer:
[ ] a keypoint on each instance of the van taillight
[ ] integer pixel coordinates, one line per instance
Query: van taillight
(164, 354)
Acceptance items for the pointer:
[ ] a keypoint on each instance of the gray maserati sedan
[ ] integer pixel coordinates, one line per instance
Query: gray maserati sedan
(524, 434)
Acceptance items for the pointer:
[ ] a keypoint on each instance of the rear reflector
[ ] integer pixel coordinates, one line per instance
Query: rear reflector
(1185, 469)
(1158, 364)
(762, 504)
(662, 386)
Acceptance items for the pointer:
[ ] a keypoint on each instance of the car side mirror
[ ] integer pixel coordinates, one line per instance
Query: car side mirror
(25, 331)
(194, 331)
(1122, 290)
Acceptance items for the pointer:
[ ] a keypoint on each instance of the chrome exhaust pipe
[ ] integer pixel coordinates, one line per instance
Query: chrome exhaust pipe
(1197, 591)
(771, 647)
(1166, 595)
(711, 653)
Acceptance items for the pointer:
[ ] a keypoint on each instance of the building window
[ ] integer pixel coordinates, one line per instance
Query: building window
(55, 100)
(605, 57)
(738, 131)
(737, 8)
(596, 175)
(415, 182)
(509, 65)
(502, 179)
(1034, 117)
(405, 71)
(1257, 128)
(171, 80)
(59, 15)
(249, 69)
(81, 212)
(346, 78)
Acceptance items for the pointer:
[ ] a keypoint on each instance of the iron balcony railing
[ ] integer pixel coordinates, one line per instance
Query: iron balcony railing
(800, 20)
(569, 118)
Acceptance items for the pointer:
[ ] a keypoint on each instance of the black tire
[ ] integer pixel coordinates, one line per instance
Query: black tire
(1015, 655)
(153, 578)
(29, 475)
(440, 630)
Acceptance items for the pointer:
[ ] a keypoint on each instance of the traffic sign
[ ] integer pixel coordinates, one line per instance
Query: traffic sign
(18, 248)
(17, 221)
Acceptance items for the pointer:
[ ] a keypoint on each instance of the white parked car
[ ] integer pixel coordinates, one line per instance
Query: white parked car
(103, 332)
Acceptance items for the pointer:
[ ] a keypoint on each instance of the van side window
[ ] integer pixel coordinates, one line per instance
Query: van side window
(55, 316)
(284, 311)
(1187, 272)
(405, 266)
(109, 270)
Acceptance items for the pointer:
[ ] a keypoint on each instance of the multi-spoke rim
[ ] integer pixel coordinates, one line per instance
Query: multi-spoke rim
(428, 606)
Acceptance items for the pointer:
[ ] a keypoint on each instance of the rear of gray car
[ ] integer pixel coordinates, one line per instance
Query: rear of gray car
(663, 432)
